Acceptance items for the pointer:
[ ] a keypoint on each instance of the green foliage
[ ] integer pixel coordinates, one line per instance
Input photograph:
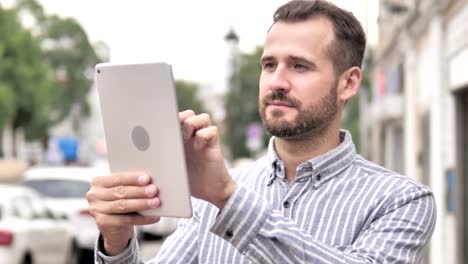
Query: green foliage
(72, 58)
(241, 103)
(68, 52)
(351, 118)
(188, 98)
(7, 104)
(42, 76)
(24, 78)
(33, 7)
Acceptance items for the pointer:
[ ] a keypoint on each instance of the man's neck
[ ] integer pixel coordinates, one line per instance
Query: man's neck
(293, 152)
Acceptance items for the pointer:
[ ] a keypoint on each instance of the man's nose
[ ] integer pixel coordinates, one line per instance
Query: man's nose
(279, 80)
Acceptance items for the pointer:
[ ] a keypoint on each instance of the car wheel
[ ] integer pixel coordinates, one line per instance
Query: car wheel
(73, 255)
(86, 256)
(27, 259)
(140, 235)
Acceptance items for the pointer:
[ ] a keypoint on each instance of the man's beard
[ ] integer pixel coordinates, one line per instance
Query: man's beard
(313, 120)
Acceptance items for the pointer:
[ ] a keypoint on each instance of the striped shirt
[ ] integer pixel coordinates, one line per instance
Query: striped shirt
(340, 208)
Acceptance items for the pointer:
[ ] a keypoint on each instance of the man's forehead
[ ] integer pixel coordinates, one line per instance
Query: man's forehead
(317, 26)
(314, 35)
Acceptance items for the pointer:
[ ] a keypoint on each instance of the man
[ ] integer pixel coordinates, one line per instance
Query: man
(312, 199)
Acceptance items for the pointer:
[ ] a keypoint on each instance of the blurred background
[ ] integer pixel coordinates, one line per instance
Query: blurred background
(411, 114)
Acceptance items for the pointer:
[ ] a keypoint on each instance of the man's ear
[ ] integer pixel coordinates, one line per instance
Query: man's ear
(350, 82)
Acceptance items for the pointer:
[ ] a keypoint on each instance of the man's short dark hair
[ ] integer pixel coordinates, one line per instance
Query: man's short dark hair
(350, 40)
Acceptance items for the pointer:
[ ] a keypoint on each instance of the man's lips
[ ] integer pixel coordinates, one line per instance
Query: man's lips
(279, 103)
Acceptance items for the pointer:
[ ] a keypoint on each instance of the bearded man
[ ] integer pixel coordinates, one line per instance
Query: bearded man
(311, 199)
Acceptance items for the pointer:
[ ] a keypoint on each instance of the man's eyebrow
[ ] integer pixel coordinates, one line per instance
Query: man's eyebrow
(295, 58)
(300, 59)
(304, 60)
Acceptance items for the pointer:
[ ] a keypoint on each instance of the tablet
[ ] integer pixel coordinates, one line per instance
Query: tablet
(142, 129)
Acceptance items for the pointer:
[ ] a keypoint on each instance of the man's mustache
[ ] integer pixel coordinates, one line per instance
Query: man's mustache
(281, 97)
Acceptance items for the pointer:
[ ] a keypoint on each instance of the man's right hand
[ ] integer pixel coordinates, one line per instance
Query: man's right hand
(114, 200)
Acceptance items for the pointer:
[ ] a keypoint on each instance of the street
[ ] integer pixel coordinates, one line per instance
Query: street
(149, 248)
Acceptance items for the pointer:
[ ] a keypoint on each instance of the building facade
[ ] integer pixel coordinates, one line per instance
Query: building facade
(457, 79)
(418, 114)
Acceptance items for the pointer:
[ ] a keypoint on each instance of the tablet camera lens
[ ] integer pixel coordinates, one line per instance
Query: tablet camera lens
(140, 138)
(98, 71)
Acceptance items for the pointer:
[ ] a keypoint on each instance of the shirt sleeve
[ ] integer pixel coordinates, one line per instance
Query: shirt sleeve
(264, 235)
(182, 245)
(131, 255)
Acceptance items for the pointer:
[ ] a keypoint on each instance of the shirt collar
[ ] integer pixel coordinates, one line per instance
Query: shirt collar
(321, 168)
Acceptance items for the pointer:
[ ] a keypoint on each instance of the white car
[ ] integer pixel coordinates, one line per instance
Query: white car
(163, 228)
(64, 190)
(29, 233)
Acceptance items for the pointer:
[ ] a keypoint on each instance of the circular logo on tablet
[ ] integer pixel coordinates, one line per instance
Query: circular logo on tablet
(140, 138)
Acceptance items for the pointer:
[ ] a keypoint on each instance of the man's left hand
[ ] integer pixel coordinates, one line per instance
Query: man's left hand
(208, 175)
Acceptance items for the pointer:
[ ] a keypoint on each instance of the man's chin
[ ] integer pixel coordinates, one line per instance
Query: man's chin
(283, 133)
(277, 125)
(278, 115)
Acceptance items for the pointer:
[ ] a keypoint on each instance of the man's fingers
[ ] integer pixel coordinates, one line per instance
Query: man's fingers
(206, 136)
(185, 114)
(123, 178)
(124, 206)
(122, 192)
(126, 219)
(194, 123)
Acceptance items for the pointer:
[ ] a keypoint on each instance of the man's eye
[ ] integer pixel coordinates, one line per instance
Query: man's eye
(268, 65)
(300, 67)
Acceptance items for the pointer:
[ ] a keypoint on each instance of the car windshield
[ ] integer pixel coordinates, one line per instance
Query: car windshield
(60, 188)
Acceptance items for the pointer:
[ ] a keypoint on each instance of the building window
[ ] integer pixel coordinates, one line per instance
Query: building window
(450, 193)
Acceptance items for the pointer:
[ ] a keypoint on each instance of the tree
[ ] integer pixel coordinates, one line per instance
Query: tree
(44, 77)
(188, 98)
(241, 103)
(7, 107)
(7, 104)
(24, 78)
(351, 118)
(71, 57)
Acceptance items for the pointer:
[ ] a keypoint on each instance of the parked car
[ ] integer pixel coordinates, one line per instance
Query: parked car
(28, 231)
(64, 190)
(165, 227)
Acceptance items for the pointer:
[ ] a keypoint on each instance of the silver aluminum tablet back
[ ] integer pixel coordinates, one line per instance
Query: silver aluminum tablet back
(142, 129)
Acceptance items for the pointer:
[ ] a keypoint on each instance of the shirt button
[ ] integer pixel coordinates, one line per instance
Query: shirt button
(319, 177)
(286, 204)
(229, 234)
(270, 181)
